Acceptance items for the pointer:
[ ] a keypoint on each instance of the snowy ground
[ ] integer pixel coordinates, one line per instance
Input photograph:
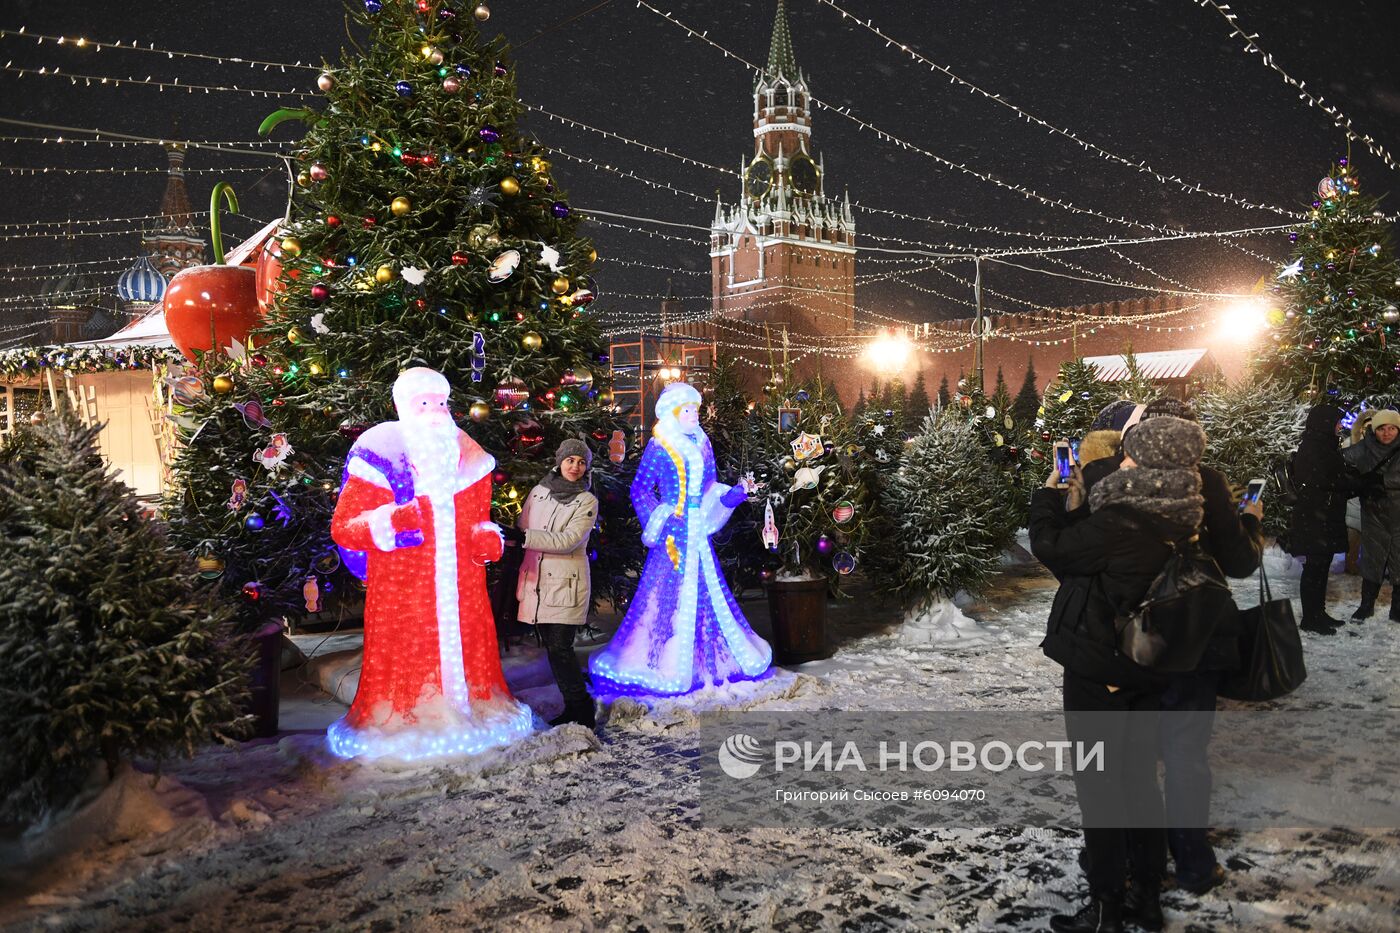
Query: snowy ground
(571, 831)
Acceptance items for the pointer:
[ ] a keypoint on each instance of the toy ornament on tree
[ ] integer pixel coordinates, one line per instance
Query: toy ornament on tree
(684, 629)
(415, 500)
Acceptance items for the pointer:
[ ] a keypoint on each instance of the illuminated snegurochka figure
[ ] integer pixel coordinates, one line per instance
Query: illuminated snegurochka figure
(684, 629)
(415, 498)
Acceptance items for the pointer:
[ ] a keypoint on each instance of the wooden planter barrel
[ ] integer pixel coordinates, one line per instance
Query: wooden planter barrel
(797, 609)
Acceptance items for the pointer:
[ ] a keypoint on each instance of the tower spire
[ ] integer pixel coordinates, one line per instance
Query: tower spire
(781, 60)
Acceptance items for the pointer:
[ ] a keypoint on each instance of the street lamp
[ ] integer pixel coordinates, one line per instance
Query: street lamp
(1243, 320)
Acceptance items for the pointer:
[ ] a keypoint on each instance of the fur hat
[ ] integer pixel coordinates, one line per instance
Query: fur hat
(1168, 407)
(573, 447)
(1099, 444)
(1166, 442)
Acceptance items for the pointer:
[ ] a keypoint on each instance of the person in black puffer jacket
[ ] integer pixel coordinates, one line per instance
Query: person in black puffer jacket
(1235, 540)
(1318, 528)
(1105, 564)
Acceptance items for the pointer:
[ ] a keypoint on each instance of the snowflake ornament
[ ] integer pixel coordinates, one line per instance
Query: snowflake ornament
(1291, 270)
(318, 323)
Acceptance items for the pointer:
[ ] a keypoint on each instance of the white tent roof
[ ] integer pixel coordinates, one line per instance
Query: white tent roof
(1163, 364)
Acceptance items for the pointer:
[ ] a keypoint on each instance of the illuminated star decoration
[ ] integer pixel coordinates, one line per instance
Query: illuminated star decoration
(1292, 269)
(880, 430)
(480, 197)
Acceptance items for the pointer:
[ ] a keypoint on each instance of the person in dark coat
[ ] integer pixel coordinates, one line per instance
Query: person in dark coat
(1318, 528)
(1105, 564)
(1377, 460)
(1235, 540)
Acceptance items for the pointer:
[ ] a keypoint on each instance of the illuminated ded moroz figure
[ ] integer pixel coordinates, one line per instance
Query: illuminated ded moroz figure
(415, 500)
(684, 629)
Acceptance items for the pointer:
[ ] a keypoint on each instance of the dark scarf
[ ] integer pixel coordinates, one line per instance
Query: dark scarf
(1173, 496)
(563, 491)
(1372, 452)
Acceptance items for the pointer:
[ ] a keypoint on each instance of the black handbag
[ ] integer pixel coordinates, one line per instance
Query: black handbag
(1271, 650)
(1171, 628)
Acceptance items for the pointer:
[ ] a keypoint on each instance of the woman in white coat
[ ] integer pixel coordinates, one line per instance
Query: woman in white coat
(554, 587)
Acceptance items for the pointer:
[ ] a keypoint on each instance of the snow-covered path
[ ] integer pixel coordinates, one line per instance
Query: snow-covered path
(568, 831)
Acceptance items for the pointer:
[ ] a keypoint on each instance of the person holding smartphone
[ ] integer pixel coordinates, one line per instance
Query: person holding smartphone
(1318, 528)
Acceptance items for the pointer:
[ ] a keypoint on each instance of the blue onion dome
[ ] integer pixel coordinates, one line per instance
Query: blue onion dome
(142, 282)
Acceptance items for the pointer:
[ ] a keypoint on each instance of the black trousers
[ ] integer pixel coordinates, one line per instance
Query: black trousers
(558, 643)
(1312, 587)
(1188, 708)
(1125, 793)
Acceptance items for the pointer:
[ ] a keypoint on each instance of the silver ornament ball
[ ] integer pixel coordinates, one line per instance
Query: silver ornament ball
(482, 12)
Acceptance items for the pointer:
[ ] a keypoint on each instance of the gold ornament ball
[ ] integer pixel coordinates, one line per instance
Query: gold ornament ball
(400, 206)
(223, 384)
(209, 566)
(296, 335)
(37, 418)
(531, 340)
(291, 246)
(479, 411)
(384, 275)
(303, 179)
(509, 186)
(592, 256)
(482, 12)
(560, 285)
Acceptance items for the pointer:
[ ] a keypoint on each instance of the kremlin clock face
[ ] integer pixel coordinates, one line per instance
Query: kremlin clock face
(804, 174)
(759, 178)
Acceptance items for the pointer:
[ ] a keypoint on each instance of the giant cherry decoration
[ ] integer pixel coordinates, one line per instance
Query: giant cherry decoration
(209, 307)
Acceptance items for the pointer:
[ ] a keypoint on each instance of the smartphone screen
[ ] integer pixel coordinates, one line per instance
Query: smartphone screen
(1062, 461)
(1252, 492)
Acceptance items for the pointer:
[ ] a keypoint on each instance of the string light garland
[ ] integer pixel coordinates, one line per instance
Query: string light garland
(96, 46)
(911, 147)
(123, 144)
(54, 170)
(1339, 119)
(136, 137)
(1145, 288)
(30, 361)
(177, 85)
(1135, 164)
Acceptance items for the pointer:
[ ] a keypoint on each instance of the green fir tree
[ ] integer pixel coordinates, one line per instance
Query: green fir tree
(944, 396)
(110, 647)
(1251, 424)
(1337, 332)
(918, 405)
(1027, 402)
(1069, 406)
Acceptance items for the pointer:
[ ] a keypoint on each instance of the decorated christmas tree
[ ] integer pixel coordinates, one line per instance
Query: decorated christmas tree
(1335, 334)
(945, 515)
(1136, 387)
(1250, 425)
(425, 230)
(109, 648)
(819, 482)
(1069, 407)
(1003, 441)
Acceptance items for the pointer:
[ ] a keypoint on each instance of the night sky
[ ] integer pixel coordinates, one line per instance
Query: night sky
(1157, 81)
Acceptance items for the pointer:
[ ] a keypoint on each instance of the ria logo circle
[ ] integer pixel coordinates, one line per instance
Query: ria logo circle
(741, 756)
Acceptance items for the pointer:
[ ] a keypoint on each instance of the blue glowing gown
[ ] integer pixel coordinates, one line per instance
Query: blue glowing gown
(684, 629)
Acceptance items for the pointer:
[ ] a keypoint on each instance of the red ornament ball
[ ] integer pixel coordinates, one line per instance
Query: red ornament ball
(368, 222)
(460, 258)
(332, 221)
(320, 292)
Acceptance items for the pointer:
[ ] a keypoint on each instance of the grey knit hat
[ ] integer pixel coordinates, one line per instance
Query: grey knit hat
(573, 447)
(1166, 442)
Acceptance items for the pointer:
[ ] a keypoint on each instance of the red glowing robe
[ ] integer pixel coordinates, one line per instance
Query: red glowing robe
(401, 653)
